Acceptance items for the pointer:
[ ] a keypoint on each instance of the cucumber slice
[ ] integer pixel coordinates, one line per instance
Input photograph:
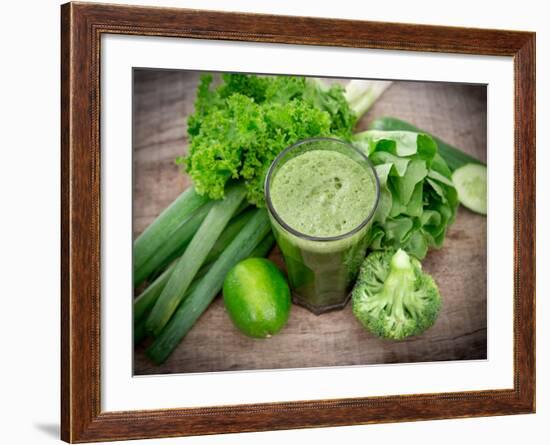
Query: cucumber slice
(470, 181)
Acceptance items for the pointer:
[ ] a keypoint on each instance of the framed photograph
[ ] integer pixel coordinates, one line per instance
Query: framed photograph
(274, 222)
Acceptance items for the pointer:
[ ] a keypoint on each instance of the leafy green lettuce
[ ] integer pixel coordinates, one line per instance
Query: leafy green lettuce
(417, 198)
(241, 125)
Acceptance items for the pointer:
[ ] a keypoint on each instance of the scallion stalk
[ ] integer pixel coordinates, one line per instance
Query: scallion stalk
(192, 259)
(229, 234)
(139, 332)
(169, 250)
(163, 227)
(179, 252)
(196, 303)
(261, 250)
(146, 300)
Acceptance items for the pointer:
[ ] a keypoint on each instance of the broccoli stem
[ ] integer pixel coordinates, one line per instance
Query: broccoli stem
(399, 283)
(401, 261)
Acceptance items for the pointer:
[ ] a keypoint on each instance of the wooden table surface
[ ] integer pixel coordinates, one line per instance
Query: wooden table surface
(456, 113)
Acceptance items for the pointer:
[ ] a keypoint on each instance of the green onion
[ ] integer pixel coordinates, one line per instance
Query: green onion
(146, 300)
(148, 297)
(453, 156)
(231, 231)
(163, 227)
(181, 248)
(196, 303)
(167, 252)
(139, 332)
(262, 249)
(190, 262)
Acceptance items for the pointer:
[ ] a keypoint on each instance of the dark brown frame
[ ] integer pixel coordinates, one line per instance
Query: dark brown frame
(81, 28)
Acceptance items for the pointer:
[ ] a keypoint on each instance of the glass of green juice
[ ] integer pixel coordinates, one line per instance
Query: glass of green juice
(321, 195)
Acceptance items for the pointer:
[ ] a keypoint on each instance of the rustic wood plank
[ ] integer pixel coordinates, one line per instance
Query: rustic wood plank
(454, 112)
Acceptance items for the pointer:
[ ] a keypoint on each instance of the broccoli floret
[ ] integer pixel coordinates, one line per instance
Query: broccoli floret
(393, 298)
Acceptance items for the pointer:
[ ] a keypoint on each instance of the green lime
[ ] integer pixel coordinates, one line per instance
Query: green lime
(257, 297)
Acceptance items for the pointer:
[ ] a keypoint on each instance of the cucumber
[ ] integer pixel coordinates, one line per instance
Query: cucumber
(470, 182)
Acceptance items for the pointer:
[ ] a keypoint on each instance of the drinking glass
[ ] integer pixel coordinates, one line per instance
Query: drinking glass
(321, 270)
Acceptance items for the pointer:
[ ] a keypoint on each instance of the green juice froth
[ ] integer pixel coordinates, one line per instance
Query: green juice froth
(323, 193)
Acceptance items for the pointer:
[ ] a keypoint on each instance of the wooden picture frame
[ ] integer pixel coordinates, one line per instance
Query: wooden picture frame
(82, 26)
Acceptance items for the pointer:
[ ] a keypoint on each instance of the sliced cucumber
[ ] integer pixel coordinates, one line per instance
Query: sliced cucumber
(470, 181)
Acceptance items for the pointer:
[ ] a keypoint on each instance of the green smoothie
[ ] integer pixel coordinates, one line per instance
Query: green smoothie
(321, 195)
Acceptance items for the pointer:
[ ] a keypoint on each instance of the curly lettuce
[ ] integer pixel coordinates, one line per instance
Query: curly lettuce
(240, 126)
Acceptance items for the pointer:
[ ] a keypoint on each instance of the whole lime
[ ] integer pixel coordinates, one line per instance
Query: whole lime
(257, 297)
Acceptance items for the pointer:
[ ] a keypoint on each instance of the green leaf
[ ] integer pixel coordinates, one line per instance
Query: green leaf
(414, 207)
(454, 158)
(400, 143)
(249, 85)
(438, 188)
(417, 245)
(399, 164)
(431, 218)
(439, 177)
(385, 201)
(332, 100)
(439, 165)
(375, 237)
(397, 208)
(426, 147)
(405, 185)
(398, 228)
(423, 199)
(382, 171)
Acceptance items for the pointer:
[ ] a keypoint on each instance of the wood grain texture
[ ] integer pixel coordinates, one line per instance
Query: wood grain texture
(457, 113)
(81, 417)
